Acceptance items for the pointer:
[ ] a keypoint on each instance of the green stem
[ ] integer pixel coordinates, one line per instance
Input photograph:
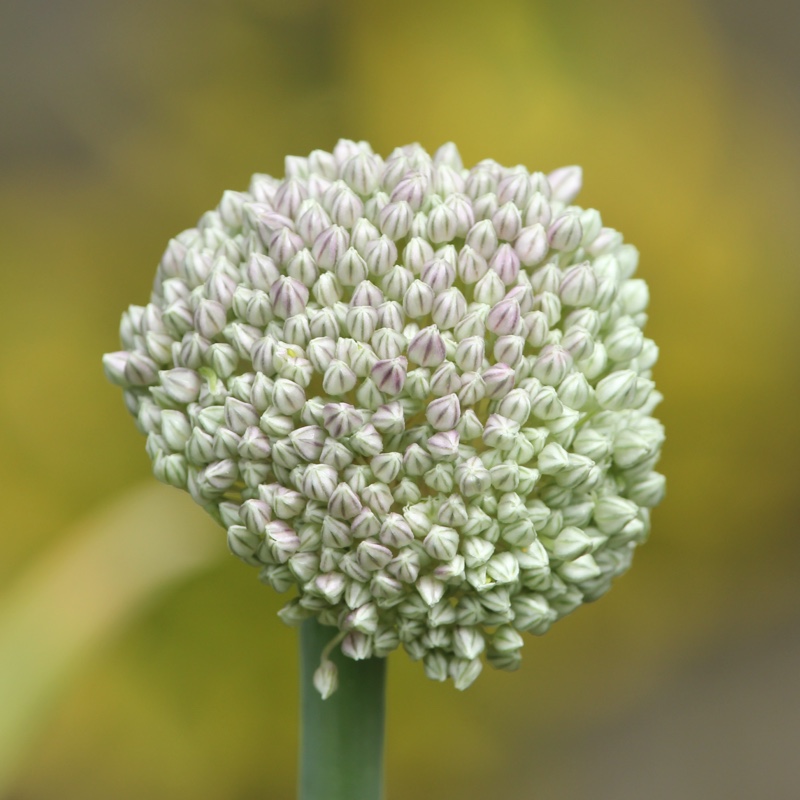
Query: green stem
(341, 738)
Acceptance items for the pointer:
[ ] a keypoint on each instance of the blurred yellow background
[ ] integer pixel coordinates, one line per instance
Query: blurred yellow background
(124, 122)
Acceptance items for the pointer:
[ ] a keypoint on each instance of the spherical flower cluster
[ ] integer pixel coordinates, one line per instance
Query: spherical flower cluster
(416, 394)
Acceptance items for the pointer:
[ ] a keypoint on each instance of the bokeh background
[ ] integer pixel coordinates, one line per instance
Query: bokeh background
(137, 658)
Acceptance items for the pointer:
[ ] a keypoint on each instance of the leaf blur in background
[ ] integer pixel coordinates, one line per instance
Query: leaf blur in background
(123, 123)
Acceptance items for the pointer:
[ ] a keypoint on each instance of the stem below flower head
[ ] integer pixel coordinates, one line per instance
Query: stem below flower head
(341, 738)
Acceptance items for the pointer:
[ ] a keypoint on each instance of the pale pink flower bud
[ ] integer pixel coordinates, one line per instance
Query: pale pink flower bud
(439, 274)
(499, 380)
(505, 262)
(390, 375)
(504, 317)
(445, 380)
(444, 413)
(515, 188)
(288, 297)
(427, 348)
(343, 502)
(444, 446)
(330, 245)
(531, 245)
(341, 419)
(507, 222)
(312, 221)
(412, 189)
(284, 245)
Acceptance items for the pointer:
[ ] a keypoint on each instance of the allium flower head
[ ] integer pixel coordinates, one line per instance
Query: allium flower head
(418, 397)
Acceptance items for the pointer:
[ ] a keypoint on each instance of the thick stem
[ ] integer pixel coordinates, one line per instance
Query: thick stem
(341, 738)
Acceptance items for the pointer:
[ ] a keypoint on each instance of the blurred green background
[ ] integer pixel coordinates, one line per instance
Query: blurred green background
(123, 122)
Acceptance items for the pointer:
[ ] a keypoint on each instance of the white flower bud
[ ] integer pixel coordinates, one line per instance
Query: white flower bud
(581, 569)
(552, 365)
(470, 354)
(472, 477)
(482, 238)
(338, 379)
(395, 219)
(538, 210)
(471, 266)
(373, 556)
(395, 532)
(312, 221)
(507, 221)
(565, 183)
(509, 349)
(442, 224)
(181, 385)
(612, 513)
(489, 289)
(464, 673)
(416, 254)
(624, 343)
(579, 286)
(380, 255)
(617, 391)
(362, 172)
(565, 233)
(531, 245)
(449, 308)
(430, 589)
(288, 398)
(503, 568)
(326, 678)
(418, 300)
(648, 491)
(357, 646)
(441, 543)
(367, 441)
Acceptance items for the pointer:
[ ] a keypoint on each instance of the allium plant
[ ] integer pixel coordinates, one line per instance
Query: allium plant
(418, 397)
